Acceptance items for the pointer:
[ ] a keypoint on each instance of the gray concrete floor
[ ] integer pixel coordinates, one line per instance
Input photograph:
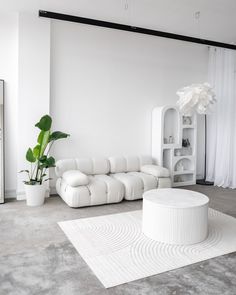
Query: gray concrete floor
(37, 258)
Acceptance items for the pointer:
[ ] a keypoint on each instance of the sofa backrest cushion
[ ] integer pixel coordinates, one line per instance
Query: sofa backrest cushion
(128, 164)
(87, 166)
(65, 165)
(93, 166)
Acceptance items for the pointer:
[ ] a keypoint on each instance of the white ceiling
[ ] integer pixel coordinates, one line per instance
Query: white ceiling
(217, 17)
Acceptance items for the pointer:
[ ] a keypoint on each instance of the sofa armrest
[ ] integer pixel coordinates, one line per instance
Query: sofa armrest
(155, 170)
(75, 178)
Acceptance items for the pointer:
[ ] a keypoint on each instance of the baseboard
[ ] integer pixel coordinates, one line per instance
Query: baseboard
(53, 191)
(10, 194)
(199, 176)
(20, 195)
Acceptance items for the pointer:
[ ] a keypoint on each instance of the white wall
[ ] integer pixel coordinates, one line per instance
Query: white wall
(8, 72)
(104, 86)
(34, 84)
(25, 68)
(105, 83)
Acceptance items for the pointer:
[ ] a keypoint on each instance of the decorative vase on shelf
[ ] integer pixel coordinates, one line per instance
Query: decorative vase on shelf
(178, 153)
(187, 120)
(171, 139)
(180, 166)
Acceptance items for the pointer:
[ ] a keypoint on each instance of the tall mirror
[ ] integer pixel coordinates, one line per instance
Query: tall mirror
(1, 142)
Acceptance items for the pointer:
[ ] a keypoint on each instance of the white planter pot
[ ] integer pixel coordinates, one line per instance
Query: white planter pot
(35, 194)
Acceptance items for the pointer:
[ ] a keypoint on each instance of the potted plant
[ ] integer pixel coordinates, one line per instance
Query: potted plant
(40, 161)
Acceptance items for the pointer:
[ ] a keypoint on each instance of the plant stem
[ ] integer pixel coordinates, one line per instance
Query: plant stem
(50, 147)
(28, 176)
(41, 173)
(32, 175)
(36, 177)
(45, 169)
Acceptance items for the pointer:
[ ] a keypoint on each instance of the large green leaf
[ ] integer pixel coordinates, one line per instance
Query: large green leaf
(49, 162)
(45, 123)
(30, 156)
(58, 135)
(43, 159)
(40, 137)
(43, 140)
(36, 151)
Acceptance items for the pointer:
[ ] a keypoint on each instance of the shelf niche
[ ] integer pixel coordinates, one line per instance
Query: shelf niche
(188, 133)
(184, 151)
(167, 158)
(183, 178)
(171, 126)
(187, 165)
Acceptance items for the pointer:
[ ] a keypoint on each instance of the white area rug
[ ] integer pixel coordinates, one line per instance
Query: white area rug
(117, 252)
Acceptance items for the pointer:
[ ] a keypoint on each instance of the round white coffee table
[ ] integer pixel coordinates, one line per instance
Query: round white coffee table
(175, 216)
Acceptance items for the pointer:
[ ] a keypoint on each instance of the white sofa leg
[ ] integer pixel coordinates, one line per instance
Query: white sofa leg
(164, 182)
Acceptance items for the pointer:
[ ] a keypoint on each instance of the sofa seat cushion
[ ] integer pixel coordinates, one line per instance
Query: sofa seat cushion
(75, 178)
(101, 189)
(105, 189)
(149, 181)
(155, 170)
(135, 183)
(73, 196)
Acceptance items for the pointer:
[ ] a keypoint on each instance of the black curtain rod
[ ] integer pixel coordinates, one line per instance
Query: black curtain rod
(116, 26)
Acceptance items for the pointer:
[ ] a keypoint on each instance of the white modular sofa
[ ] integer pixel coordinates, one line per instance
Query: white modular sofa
(88, 182)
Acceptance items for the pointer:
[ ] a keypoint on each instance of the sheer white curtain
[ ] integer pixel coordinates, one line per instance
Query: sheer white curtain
(221, 129)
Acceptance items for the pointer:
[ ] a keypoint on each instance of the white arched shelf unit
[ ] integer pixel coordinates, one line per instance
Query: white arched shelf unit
(169, 128)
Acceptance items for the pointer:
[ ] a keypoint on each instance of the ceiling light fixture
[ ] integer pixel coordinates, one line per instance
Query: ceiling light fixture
(128, 28)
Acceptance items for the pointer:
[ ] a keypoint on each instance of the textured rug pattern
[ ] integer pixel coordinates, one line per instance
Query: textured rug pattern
(117, 252)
